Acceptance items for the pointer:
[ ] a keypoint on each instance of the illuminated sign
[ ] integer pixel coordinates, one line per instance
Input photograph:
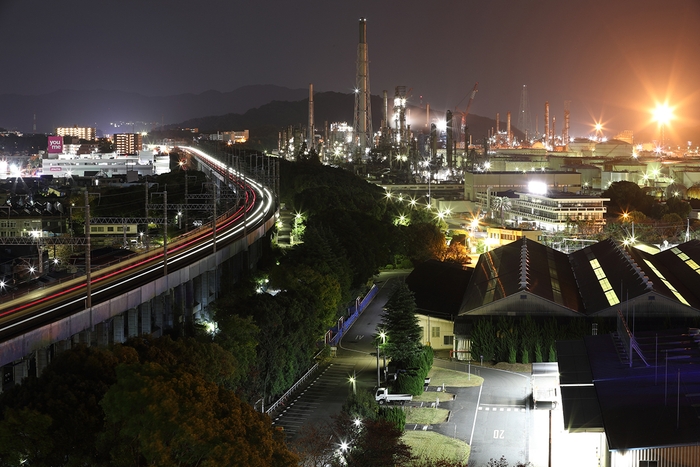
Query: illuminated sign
(55, 169)
(55, 145)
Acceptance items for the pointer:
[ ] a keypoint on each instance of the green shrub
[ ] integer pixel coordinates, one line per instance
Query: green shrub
(394, 415)
(512, 354)
(526, 357)
(538, 352)
(361, 405)
(409, 384)
(552, 354)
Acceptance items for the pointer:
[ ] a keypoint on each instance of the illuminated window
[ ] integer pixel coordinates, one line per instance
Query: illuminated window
(667, 283)
(604, 283)
(683, 257)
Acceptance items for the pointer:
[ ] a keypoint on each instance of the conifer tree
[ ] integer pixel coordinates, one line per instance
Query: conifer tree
(401, 326)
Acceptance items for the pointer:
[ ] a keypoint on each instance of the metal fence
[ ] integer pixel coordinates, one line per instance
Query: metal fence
(357, 309)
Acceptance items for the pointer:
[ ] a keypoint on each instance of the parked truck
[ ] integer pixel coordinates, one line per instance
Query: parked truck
(383, 397)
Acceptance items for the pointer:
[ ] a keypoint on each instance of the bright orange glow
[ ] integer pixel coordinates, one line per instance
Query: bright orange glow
(663, 113)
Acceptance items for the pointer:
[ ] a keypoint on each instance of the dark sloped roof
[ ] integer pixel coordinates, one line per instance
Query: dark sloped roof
(594, 280)
(676, 268)
(496, 276)
(438, 287)
(549, 275)
(640, 408)
(615, 265)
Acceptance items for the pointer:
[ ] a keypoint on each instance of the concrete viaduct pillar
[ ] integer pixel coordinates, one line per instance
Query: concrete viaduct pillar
(145, 314)
(118, 329)
(132, 323)
(102, 334)
(20, 370)
(41, 357)
(198, 292)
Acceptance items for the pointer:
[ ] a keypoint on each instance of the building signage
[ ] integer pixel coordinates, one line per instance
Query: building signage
(55, 169)
(55, 144)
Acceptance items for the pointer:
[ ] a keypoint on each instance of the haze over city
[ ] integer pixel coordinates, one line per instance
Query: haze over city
(615, 61)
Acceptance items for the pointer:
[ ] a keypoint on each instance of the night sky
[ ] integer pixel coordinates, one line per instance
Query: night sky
(613, 59)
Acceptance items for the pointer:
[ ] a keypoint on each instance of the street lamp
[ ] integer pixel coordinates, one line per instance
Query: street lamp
(353, 380)
(382, 334)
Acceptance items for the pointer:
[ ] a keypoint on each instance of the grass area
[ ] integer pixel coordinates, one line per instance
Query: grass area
(431, 396)
(431, 445)
(426, 415)
(516, 367)
(440, 376)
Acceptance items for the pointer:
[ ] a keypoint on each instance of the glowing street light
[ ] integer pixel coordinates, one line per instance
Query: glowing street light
(663, 114)
(353, 380)
(598, 130)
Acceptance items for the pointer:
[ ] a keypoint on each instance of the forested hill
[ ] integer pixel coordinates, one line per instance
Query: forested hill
(267, 120)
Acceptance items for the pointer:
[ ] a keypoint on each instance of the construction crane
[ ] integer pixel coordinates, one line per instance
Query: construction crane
(466, 112)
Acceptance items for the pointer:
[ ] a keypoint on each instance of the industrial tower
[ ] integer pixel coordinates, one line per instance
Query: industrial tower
(310, 128)
(401, 138)
(524, 119)
(362, 126)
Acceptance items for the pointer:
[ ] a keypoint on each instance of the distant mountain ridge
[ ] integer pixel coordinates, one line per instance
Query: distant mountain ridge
(100, 108)
(262, 109)
(266, 121)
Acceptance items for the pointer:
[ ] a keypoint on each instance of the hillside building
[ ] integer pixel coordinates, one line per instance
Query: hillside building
(85, 133)
(127, 143)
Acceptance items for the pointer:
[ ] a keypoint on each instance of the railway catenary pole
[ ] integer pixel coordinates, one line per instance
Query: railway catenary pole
(88, 254)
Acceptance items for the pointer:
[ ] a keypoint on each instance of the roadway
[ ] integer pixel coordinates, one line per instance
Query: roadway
(47, 305)
(495, 419)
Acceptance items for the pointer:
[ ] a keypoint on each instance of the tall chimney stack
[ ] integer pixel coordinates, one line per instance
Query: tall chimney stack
(508, 135)
(567, 116)
(310, 129)
(362, 126)
(546, 123)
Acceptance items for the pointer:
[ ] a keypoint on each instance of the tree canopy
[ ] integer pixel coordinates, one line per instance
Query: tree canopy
(401, 326)
(146, 402)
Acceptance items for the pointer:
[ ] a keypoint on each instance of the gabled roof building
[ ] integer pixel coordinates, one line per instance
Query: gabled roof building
(528, 278)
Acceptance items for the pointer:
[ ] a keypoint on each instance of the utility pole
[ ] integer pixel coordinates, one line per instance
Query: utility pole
(88, 284)
(213, 197)
(165, 227)
(165, 231)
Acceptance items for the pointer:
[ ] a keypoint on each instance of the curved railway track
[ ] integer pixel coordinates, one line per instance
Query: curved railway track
(41, 307)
